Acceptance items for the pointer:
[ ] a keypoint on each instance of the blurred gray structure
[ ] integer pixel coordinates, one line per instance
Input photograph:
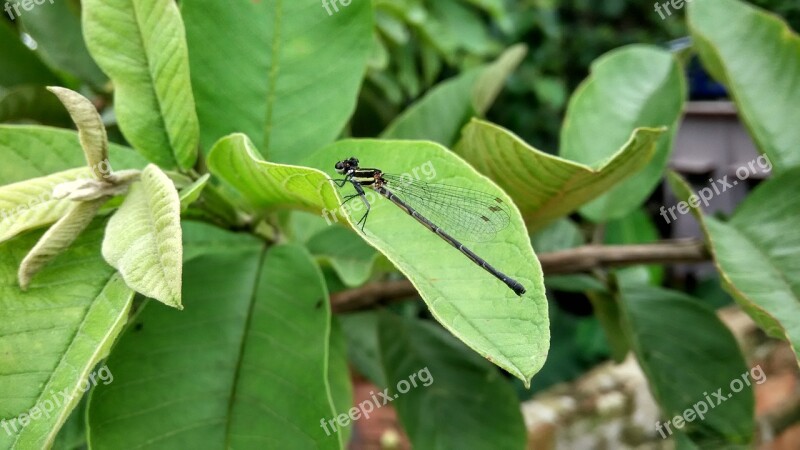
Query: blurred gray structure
(711, 142)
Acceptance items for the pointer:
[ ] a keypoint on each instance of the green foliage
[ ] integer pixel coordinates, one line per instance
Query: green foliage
(223, 204)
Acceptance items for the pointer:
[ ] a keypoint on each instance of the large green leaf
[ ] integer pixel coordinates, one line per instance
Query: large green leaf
(141, 45)
(757, 56)
(480, 310)
(56, 28)
(52, 336)
(758, 254)
(20, 65)
(546, 187)
(275, 70)
(254, 371)
(265, 184)
(363, 346)
(36, 151)
(687, 360)
(143, 238)
(339, 376)
(634, 86)
(445, 109)
(446, 396)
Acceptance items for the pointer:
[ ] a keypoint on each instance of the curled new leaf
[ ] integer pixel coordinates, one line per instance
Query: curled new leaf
(57, 239)
(91, 131)
(143, 239)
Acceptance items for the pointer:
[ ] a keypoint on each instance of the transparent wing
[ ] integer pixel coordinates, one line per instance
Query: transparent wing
(465, 213)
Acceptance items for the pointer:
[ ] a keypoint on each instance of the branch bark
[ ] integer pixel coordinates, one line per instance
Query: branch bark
(576, 260)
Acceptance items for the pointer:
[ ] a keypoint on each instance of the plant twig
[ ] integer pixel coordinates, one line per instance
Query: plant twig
(576, 260)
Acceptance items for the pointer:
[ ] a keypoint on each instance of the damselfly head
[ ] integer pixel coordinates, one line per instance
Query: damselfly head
(347, 165)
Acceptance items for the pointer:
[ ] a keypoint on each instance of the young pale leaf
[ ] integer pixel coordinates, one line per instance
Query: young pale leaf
(546, 187)
(286, 83)
(634, 86)
(58, 239)
(757, 56)
(440, 372)
(30, 204)
(143, 238)
(762, 233)
(91, 131)
(258, 359)
(141, 45)
(684, 368)
(54, 335)
(511, 331)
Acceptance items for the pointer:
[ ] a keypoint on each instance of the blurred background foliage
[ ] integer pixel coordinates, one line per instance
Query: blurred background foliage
(422, 42)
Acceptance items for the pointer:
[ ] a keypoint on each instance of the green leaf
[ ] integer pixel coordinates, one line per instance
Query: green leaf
(56, 28)
(258, 359)
(58, 239)
(30, 204)
(363, 348)
(762, 234)
(143, 238)
(36, 151)
(437, 372)
(91, 131)
(634, 86)
(269, 185)
(200, 238)
(546, 187)
(607, 310)
(440, 114)
(52, 336)
(20, 64)
(286, 84)
(141, 45)
(339, 376)
(480, 310)
(350, 257)
(32, 103)
(562, 234)
(191, 193)
(733, 38)
(635, 228)
(686, 365)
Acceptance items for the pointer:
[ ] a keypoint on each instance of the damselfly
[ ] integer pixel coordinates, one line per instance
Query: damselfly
(473, 214)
